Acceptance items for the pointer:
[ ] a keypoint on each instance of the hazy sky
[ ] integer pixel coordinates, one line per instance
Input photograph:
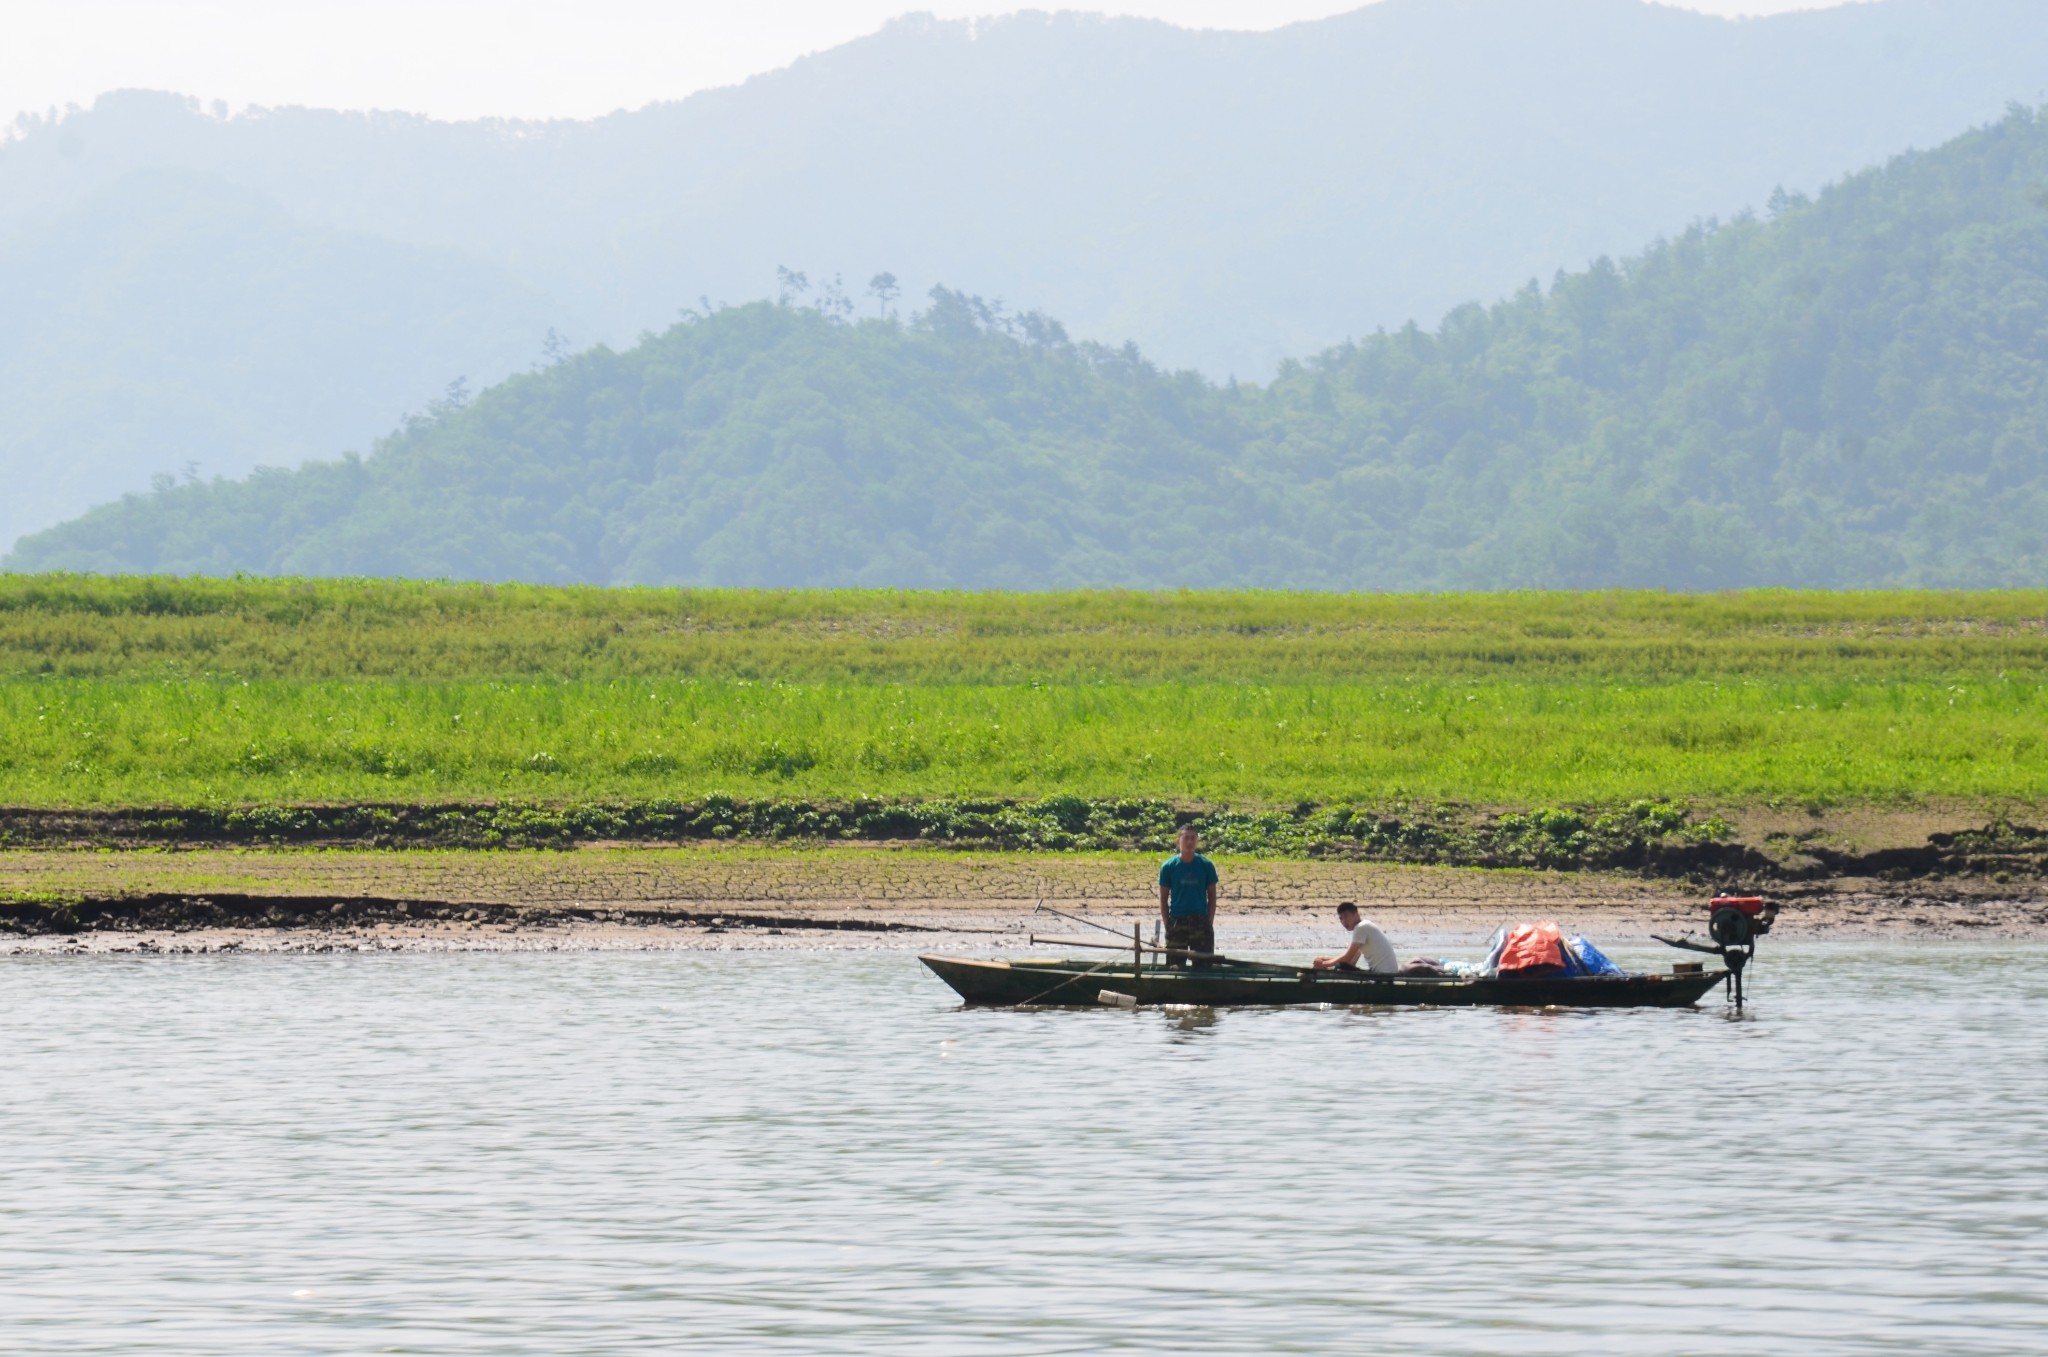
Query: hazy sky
(465, 58)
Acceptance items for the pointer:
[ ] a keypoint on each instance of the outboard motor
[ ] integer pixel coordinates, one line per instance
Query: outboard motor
(1734, 922)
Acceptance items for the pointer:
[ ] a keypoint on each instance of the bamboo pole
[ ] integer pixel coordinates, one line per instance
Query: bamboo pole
(1035, 938)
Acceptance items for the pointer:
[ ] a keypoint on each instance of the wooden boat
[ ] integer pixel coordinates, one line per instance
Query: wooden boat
(1218, 983)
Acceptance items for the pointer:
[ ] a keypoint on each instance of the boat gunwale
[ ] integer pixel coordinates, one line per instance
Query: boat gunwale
(1658, 989)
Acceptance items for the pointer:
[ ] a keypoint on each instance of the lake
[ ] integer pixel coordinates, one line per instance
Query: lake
(812, 1153)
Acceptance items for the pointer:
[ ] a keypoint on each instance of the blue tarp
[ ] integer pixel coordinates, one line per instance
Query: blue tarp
(1569, 955)
(1583, 958)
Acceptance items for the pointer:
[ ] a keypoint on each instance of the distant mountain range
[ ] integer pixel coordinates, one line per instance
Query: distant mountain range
(1852, 392)
(187, 288)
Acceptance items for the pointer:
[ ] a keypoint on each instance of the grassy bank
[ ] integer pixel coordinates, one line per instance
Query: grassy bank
(73, 627)
(110, 742)
(272, 693)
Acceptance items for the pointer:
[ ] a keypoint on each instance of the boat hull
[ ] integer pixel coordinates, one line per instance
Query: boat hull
(1078, 983)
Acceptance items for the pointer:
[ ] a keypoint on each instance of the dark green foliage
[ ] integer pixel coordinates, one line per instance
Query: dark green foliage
(1849, 394)
(1655, 834)
(1655, 838)
(764, 444)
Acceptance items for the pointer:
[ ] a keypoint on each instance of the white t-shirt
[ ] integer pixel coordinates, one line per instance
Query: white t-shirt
(1377, 953)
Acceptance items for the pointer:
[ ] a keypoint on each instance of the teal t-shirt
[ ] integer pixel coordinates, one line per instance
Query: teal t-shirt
(1187, 884)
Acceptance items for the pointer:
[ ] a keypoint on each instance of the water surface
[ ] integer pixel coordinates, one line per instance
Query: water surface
(569, 1154)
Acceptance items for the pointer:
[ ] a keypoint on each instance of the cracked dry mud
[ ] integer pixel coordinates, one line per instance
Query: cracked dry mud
(709, 899)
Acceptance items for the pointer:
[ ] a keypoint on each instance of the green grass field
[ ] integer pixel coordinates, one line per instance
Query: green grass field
(134, 692)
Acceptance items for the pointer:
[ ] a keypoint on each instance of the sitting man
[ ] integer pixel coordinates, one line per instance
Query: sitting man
(1368, 944)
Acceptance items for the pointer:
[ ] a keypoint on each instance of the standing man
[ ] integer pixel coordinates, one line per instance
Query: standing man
(1187, 898)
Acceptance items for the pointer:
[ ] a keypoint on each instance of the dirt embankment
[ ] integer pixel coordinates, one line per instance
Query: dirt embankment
(721, 898)
(172, 912)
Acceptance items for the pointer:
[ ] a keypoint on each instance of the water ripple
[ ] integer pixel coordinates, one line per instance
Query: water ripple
(610, 1153)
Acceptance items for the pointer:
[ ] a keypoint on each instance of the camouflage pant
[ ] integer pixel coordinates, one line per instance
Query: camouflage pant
(1190, 933)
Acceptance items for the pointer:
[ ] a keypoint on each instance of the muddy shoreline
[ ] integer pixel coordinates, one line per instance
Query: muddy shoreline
(229, 922)
(721, 898)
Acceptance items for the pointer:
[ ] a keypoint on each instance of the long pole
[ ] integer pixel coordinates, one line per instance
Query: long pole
(1041, 905)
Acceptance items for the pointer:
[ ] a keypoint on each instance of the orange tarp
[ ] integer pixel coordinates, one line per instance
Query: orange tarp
(1533, 949)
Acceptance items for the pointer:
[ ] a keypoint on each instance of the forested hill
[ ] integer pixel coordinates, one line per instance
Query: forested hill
(1850, 391)
(188, 287)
